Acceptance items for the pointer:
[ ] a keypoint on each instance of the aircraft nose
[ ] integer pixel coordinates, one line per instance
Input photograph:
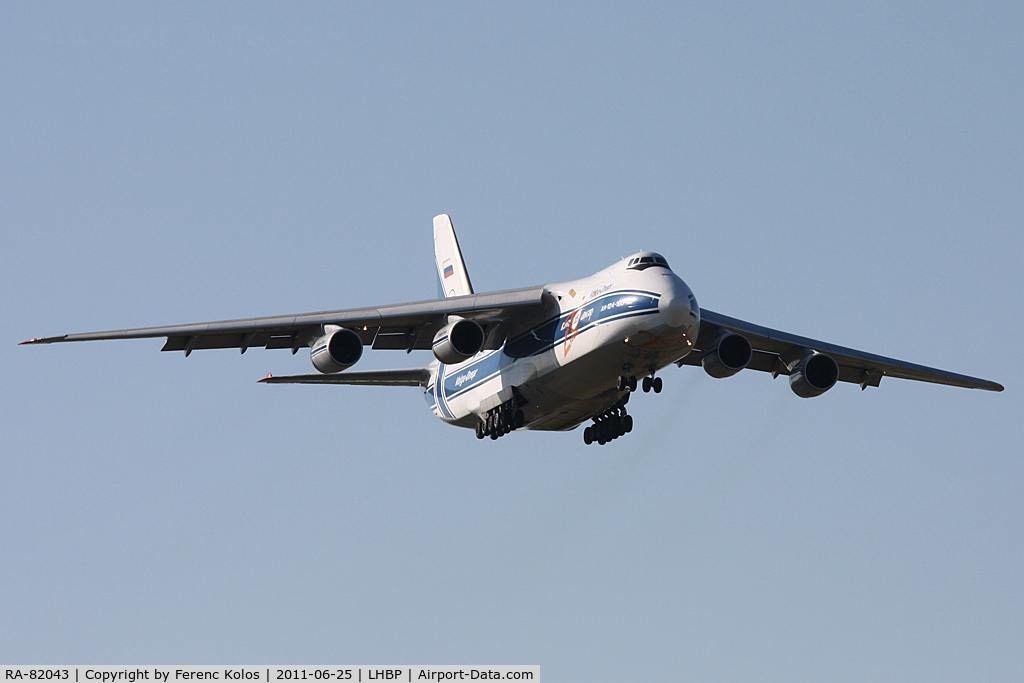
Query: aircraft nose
(674, 304)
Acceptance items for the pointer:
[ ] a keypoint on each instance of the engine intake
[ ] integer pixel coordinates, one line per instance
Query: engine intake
(813, 375)
(458, 341)
(730, 354)
(336, 351)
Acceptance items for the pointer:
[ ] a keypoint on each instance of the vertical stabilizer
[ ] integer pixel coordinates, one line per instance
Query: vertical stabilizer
(450, 268)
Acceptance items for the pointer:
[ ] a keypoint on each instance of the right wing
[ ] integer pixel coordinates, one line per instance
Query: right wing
(397, 326)
(774, 351)
(410, 377)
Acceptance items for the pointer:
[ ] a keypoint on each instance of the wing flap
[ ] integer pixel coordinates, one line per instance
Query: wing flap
(394, 339)
(218, 341)
(407, 377)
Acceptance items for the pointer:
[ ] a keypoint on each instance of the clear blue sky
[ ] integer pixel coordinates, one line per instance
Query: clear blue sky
(850, 174)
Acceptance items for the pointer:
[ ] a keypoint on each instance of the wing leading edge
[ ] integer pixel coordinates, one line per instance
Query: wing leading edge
(773, 347)
(398, 326)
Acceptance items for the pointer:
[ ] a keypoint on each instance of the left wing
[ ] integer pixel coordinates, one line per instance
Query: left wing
(397, 326)
(773, 351)
(410, 377)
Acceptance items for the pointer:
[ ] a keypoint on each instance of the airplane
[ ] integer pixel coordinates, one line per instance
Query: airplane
(546, 358)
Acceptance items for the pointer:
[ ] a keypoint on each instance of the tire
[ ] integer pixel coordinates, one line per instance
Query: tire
(627, 423)
(632, 383)
(588, 435)
(646, 384)
(656, 385)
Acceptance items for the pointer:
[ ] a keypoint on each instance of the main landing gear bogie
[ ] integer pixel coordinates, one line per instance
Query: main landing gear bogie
(614, 422)
(500, 421)
(609, 425)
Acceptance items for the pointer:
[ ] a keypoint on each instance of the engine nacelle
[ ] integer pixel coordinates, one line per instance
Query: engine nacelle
(336, 350)
(813, 375)
(730, 354)
(458, 341)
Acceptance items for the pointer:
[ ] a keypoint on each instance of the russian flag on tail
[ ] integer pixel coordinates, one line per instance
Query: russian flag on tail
(448, 272)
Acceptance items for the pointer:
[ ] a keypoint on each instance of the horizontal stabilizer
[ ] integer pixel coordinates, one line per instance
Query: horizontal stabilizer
(408, 377)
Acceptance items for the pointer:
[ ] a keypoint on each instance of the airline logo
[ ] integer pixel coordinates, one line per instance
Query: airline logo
(572, 326)
(462, 379)
(448, 272)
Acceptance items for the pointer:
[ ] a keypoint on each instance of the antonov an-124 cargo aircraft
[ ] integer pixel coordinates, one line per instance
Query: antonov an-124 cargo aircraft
(544, 358)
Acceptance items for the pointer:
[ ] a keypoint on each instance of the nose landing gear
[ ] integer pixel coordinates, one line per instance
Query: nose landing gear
(650, 383)
(625, 382)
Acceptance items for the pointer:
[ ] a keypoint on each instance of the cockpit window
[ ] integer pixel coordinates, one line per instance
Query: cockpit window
(644, 262)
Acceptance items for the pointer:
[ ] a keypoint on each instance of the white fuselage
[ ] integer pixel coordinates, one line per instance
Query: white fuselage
(633, 318)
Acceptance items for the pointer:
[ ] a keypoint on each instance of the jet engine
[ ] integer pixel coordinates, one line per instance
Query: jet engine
(730, 354)
(813, 375)
(336, 350)
(458, 341)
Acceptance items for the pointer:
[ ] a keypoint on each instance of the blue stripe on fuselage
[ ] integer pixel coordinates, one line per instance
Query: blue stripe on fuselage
(438, 393)
(472, 374)
(612, 306)
(605, 308)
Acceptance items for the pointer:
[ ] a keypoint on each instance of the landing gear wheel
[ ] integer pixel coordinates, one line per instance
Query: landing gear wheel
(656, 385)
(632, 383)
(646, 384)
(588, 435)
(627, 423)
(480, 430)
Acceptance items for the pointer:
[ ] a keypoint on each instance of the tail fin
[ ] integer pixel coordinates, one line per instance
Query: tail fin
(450, 268)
